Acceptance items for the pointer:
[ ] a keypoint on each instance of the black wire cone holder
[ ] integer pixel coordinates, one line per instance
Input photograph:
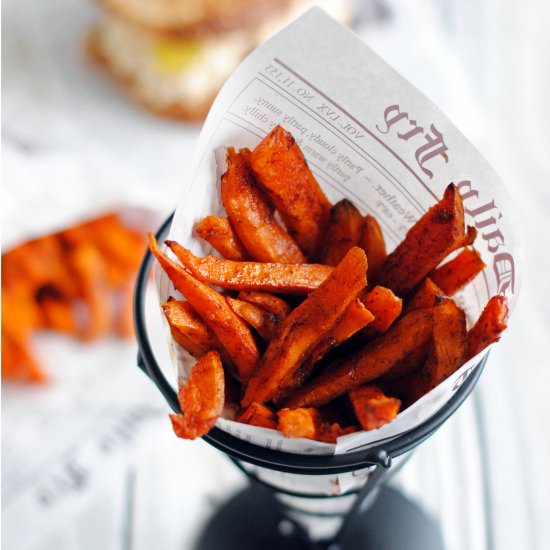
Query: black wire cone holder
(234, 521)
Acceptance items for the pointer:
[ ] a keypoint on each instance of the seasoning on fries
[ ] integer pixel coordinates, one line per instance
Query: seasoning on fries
(323, 332)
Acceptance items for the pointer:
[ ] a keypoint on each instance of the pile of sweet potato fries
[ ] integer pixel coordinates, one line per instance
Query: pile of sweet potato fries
(78, 282)
(317, 331)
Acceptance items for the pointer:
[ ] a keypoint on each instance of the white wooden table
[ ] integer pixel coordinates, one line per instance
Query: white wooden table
(130, 484)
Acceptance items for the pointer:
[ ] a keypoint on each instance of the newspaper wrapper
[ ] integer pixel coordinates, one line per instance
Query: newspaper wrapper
(367, 135)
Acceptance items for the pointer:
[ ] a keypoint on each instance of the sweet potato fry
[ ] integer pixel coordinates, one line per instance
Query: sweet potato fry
(251, 215)
(300, 422)
(120, 246)
(447, 353)
(42, 263)
(219, 234)
(449, 341)
(468, 240)
(489, 326)
(427, 294)
(375, 359)
(230, 330)
(373, 243)
(356, 317)
(411, 363)
(343, 232)
(263, 322)
(267, 301)
(281, 170)
(458, 272)
(21, 313)
(201, 398)
(329, 432)
(260, 415)
(309, 423)
(372, 407)
(116, 241)
(384, 305)
(88, 268)
(284, 278)
(306, 325)
(66, 282)
(426, 244)
(188, 329)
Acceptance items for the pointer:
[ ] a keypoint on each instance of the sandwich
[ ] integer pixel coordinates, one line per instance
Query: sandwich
(173, 56)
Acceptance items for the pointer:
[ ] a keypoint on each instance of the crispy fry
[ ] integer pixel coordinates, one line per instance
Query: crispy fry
(309, 423)
(373, 243)
(281, 170)
(219, 234)
(372, 407)
(427, 294)
(426, 244)
(411, 363)
(447, 351)
(300, 422)
(233, 333)
(375, 359)
(384, 305)
(260, 415)
(449, 341)
(468, 240)
(343, 232)
(188, 329)
(489, 326)
(330, 432)
(458, 272)
(201, 398)
(265, 323)
(356, 317)
(267, 301)
(284, 278)
(306, 325)
(251, 215)
(89, 270)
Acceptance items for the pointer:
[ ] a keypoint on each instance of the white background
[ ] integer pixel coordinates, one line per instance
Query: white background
(69, 136)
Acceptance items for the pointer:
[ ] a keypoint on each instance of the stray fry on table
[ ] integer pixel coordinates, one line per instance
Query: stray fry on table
(282, 278)
(78, 281)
